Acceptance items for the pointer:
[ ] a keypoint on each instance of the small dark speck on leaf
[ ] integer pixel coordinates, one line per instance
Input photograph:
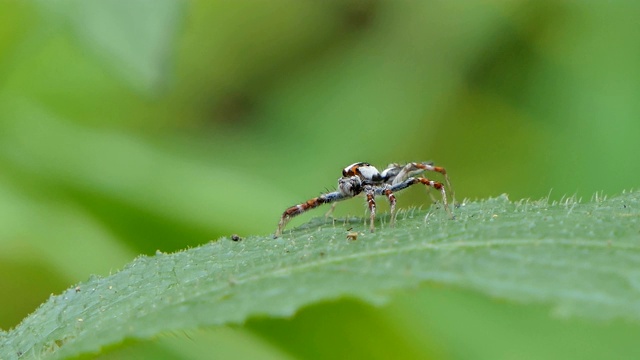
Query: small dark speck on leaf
(235, 237)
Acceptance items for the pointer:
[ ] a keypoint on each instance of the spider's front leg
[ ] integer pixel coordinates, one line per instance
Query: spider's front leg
(347, 188)
(300, 208)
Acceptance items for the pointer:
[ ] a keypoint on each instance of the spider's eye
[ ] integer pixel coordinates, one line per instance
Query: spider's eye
(344, 172)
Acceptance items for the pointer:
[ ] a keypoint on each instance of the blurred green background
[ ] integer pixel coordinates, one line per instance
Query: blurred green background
(130, 126)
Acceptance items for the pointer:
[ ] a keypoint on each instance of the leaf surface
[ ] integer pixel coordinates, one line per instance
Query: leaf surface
(581, 259)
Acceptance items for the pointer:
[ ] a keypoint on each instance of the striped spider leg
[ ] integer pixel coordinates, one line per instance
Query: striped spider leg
(389, 190)
(348, 187)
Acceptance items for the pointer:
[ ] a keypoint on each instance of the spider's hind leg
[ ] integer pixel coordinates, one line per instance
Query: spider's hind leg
(440, 187)
(441, 170)
(429, 183)
(415, 168)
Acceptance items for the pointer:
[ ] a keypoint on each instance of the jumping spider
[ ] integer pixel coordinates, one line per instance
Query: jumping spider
(362, 177)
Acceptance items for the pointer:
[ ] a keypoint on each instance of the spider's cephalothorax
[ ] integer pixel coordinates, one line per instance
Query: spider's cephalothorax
(364, 178)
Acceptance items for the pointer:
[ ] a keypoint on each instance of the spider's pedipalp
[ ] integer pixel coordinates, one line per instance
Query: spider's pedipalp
(350, 186)
(330, 211)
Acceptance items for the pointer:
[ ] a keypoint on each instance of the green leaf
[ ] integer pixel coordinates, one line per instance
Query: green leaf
(580, 259)
(135, 38)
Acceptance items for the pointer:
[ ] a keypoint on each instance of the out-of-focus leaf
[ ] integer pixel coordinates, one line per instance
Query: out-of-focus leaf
(131, 170)
(135, 38)
(60, 236)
